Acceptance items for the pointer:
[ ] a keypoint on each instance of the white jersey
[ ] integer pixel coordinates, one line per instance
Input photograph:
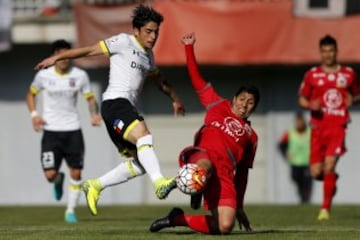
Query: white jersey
(129, 66)
(60, 97)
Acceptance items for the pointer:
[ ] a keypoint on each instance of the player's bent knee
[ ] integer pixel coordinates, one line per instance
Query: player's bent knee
(50, 175)
(144, 142)
(316, 172)
(226, 226)
(75, 174)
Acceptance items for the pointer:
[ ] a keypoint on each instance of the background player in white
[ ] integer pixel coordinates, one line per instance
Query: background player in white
(62, 137)
(131, 62)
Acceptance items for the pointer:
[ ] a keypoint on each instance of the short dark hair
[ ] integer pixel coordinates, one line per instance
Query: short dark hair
(250, 89)
(299, 114)
(328, 40)
(143, 14)
(60, 44)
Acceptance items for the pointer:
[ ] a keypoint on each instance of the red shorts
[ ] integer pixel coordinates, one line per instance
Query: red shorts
(327, 141)
(220, 189)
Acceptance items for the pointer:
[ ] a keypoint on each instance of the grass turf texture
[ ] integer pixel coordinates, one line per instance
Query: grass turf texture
(132, 222)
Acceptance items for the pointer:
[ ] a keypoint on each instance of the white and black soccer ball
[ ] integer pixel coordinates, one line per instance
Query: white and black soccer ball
(191, 179)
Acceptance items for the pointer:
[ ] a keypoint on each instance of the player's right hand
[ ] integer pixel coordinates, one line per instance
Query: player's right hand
(243, 220)
(96, 120)
(38, 123)
(46, 63)
(179, 108)
(315, 105)
(188, 39)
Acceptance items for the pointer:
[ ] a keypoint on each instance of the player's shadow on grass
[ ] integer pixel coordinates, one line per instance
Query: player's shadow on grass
(97, 219)
(255, 232)
(269, 231)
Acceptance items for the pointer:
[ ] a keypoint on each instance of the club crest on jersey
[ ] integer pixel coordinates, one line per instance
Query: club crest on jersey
(118, 125)
(72, 82)
(341, 81)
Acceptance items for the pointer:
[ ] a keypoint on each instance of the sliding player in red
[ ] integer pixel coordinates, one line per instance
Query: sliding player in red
(328, 91)
(225, 147)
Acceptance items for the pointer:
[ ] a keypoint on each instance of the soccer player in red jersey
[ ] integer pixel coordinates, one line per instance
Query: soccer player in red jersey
(225, 147)
(328, 91)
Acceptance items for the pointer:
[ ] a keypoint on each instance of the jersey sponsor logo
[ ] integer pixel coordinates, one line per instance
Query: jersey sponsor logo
(138, 66)
(59, 94)
(319, 75)
(118, 125)
(233, 128)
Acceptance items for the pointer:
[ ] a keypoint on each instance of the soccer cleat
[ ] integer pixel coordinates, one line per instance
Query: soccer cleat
(70, 217)
(58, 187)
(324, 214)
(195, 201)
(167, 221)
(164, 186)
(92, 189)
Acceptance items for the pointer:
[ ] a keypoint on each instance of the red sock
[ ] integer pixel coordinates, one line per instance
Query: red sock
(199, 223)
(329, 188)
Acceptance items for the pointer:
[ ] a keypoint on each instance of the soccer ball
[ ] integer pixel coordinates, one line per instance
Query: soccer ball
(191, 179)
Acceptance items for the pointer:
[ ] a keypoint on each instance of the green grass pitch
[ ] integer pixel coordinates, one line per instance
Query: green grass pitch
(132, 222)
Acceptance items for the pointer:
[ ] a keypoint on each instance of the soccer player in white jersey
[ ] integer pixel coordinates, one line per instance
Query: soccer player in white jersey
(131, 62)
(62, 136)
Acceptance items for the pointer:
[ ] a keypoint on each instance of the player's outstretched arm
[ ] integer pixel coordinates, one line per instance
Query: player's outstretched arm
(93, 50)
(196, 79)
(167, 89)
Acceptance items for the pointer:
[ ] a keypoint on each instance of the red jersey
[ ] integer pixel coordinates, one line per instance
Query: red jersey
(223, 133)
(331, 89)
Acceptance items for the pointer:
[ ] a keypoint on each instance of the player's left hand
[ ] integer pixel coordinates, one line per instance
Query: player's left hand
(96, 120)
(178, 108)
(46, 63)
(243, 220)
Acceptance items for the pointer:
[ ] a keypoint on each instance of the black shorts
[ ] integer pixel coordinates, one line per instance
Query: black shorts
(120, 117)
(56, 146)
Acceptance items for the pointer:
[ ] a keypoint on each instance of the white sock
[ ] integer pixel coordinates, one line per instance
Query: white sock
(74, 194)
(147, 157)
(122, 173)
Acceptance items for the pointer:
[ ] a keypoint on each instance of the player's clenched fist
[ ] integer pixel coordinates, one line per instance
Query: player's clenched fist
(188, 39)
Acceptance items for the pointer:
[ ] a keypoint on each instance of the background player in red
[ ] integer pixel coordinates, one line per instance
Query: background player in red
(328, 91)
(225, 147)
